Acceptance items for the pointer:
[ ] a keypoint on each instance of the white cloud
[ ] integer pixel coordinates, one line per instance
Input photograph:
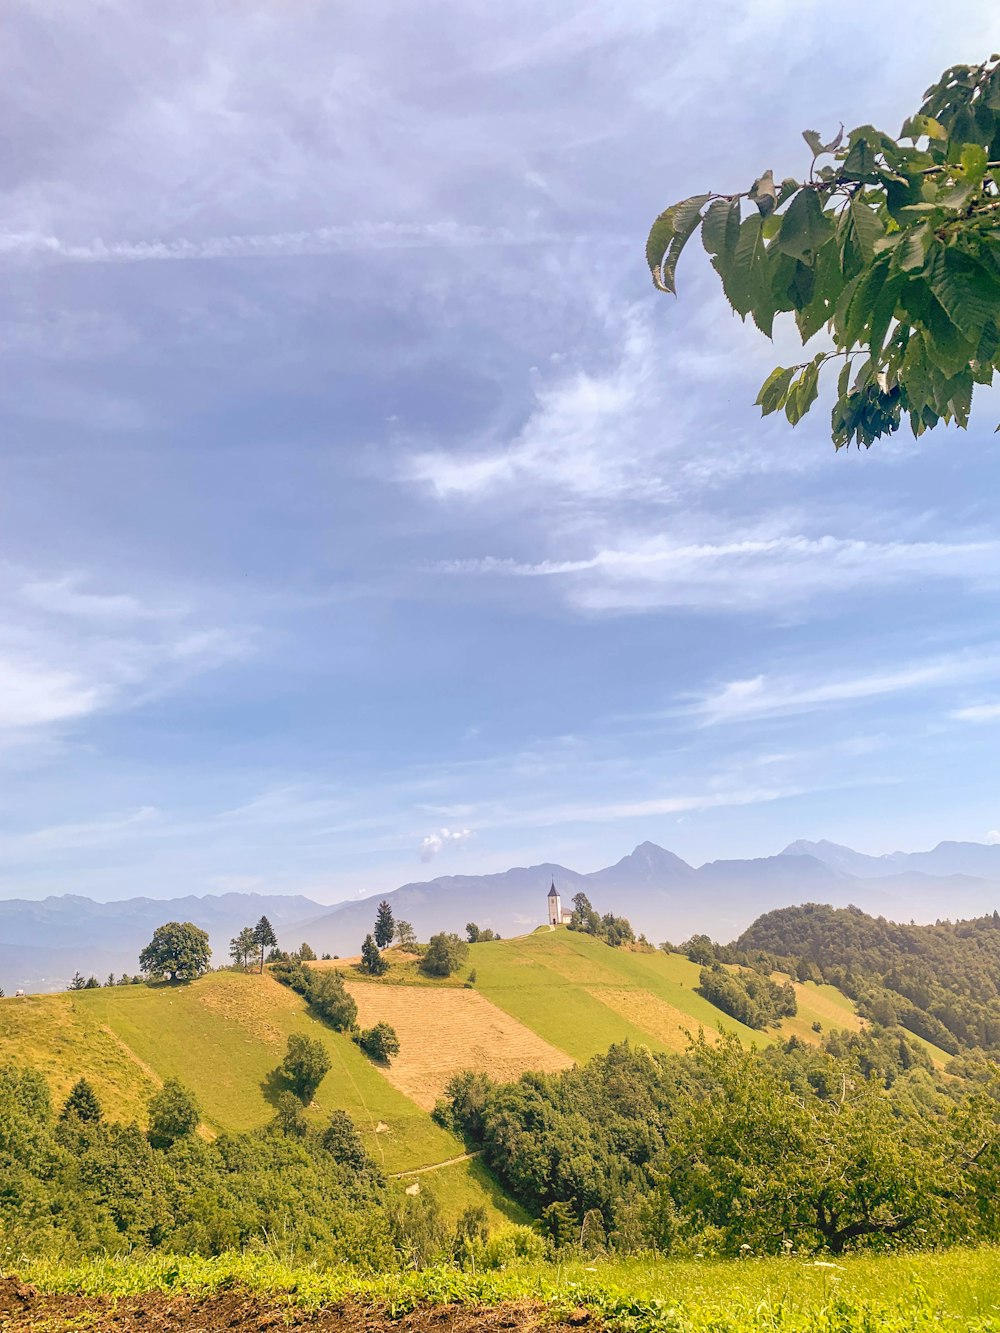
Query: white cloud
(368, 236)
(67, 652)
(741, 572)
(436, 842)
(993, 837)
(772, 696)
(977, 713)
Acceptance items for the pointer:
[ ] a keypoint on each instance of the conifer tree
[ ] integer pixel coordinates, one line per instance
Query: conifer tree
(82, 1102)
(372, 961)
(264, 938)
(385, 925)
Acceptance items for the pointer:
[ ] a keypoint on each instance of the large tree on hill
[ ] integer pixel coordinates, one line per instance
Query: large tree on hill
(264, 938)
(385, 926)
(890, 244)
(178, 951)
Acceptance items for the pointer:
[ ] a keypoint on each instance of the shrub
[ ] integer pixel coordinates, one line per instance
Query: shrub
(173, 1114)
(445, 954)
(306, 1061)
(379, 1042)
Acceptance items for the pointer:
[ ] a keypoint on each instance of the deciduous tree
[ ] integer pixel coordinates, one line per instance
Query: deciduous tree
(890, 244)
(173, 1114)
(178, 951)
(306, 1061)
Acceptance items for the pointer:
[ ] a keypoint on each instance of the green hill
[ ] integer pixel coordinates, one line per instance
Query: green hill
(539, 1002)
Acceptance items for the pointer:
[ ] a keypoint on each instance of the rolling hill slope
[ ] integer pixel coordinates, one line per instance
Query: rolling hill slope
(540, 1002)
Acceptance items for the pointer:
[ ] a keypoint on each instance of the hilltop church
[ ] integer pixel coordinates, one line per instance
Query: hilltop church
(557, 917)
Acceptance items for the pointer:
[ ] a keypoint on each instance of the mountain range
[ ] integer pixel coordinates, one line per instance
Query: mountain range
(42, 943)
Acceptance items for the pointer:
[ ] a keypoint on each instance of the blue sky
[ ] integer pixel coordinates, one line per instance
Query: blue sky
(365, 515)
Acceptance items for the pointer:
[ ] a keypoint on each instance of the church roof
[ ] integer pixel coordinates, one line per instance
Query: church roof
(553, 892)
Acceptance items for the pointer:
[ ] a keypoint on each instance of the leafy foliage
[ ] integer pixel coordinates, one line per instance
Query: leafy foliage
(614, 930)
(264, 938)
(82, 1102)
(380, 1042)
(305, 1064)
(942, 982)
(173, 1114)
(723, 1149)
(445, 954)
(73, 1187)
(748, 996)
(892, 246)
(178, 951)
(405, 936)
(479, 934)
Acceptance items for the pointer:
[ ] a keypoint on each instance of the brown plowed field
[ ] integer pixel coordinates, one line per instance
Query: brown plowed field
(23, 1309)
(442, 1031)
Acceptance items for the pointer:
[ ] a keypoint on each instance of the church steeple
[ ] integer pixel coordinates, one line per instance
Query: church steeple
(554, 906)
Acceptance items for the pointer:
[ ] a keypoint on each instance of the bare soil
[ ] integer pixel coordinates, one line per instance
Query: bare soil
(22, 1308)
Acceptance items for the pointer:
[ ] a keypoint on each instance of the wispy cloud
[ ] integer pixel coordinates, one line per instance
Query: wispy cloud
(68, 651)
(356, 236)
(773, 696)
(977, 713)
(741, 572)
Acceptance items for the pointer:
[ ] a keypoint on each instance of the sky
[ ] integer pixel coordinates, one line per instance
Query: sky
(366, 516)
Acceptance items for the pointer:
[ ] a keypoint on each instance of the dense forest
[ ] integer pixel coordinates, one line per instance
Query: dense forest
(724, 1150)
(941, 982)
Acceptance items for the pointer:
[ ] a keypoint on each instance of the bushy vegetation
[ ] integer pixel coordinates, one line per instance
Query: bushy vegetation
(614, 930)
(75, 1184)
(178, 951)
(324, 992)
(942, 982)
(748, 996)
(726, 1150)
(445, 954)
(379, 1042)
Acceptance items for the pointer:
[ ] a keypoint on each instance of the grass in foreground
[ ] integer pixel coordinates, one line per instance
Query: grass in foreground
(895, 1293)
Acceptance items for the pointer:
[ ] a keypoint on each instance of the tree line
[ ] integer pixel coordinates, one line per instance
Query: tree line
(723, 1150)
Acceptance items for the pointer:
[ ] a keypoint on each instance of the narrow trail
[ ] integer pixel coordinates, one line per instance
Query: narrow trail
(436, 1166)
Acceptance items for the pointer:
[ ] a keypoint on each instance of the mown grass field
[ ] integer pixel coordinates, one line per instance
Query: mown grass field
(896, 1293)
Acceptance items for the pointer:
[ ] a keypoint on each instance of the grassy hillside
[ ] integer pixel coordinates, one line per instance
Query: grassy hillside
(580, 995)
(538, 1002)
(222, 1037)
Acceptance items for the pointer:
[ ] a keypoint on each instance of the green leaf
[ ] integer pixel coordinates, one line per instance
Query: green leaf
(773, 390)
(763, 193)
(965, 291)
(804, 226)
(660, 235)
(911, 253)
(868, 228)
(860, 161)
(739, 282)
(816, 144)
(947, 349)
(918, 127)
(721, 228)
(686, 217)
(974, 161)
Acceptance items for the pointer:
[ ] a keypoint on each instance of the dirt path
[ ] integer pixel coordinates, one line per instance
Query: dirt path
(436, 1166)
(23, 1309)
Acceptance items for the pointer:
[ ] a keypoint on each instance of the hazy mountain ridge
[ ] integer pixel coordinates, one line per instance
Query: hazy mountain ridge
(43, 942)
